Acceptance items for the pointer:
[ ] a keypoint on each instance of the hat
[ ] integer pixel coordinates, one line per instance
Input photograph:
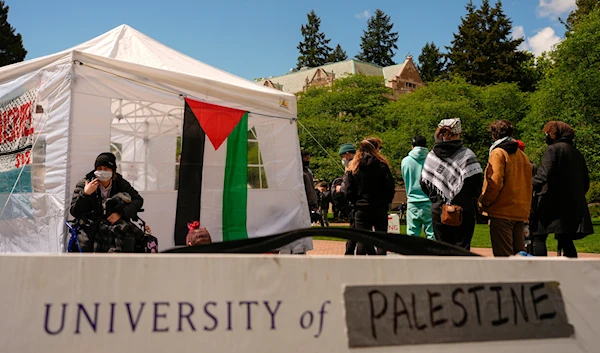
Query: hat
(106, 159)
(453, 124)
(347, 147)
(521, 145)
(419, 141)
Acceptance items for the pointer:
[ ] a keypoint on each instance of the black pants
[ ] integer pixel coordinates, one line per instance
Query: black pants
(368, 219)
(351, 244)
(565, 245)
(538, 245)
(460, 236)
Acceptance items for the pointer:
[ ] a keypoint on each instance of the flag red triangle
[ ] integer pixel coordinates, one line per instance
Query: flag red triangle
(216, 121)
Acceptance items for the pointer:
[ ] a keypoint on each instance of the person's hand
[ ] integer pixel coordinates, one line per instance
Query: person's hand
(114, 217)
(91, 186)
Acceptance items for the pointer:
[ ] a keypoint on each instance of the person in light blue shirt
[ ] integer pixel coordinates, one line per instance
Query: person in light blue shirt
(418, 213)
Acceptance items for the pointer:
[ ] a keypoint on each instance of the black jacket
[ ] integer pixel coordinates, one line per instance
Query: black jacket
(372, 185)
(309, 188)
(561, 182)
(471, 190)
(90, 206)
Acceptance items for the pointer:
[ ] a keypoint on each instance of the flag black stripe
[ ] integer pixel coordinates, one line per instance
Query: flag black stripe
(190, 175)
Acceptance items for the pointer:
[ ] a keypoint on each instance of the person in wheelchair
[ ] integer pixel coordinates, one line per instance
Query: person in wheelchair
(104, 203)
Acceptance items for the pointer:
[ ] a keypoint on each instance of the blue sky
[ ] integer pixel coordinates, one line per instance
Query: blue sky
(259, 38)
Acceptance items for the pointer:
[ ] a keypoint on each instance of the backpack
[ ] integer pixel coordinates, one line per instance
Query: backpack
(338, 199)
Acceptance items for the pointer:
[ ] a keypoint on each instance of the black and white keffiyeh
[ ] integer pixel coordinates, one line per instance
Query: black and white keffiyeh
(447, 175)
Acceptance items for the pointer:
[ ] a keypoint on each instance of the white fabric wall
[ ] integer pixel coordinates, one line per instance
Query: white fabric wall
(282, 206)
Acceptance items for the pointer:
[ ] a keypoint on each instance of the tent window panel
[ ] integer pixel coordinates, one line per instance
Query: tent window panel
(263, 179)
(253, 178)
(253, 153)
(146, 139)
(257, 178)
(116, 149)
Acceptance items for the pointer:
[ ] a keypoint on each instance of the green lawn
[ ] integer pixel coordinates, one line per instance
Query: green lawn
(481, 239)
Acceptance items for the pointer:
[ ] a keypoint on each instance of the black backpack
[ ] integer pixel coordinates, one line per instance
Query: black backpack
(338, 199)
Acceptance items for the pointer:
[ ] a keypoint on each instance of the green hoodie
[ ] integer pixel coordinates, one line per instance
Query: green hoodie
(412, 165)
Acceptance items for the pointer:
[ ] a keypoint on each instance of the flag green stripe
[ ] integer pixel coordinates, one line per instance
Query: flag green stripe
(235, 188)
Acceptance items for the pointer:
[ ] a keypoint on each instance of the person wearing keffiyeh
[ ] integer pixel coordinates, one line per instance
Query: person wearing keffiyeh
(452, 175)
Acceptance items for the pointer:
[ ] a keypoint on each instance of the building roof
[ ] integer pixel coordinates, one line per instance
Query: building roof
(295, 82)
(390, 72)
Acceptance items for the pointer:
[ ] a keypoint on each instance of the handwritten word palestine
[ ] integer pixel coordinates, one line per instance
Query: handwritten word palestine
(492, 305)
(443, 313)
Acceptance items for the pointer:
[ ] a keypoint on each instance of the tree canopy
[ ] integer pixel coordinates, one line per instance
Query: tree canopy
(484, 51)
(11, 43)
(431, 63)
(314, 49)
(378, 42)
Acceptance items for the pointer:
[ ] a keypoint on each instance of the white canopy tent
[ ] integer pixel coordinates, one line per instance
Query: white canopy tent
(124, 92)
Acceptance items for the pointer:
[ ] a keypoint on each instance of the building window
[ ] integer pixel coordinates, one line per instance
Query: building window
(257, 178)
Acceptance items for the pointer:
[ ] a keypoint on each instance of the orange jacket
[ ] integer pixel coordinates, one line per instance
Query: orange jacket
(507, 188)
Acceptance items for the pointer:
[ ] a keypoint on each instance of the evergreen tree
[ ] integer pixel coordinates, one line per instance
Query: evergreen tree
(431, 63)
(483, 51)
(337, 55)
(11, 44)
(378, 41)
(314, 50)
(584, 7)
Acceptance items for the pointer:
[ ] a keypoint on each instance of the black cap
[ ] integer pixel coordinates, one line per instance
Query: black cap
(419, 141)
(106, 159)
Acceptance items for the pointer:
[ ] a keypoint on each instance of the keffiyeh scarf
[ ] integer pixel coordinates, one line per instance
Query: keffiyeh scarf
(498, 142)
(447, 175)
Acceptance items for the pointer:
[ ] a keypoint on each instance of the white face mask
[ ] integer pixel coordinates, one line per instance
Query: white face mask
(103, 175)
(345, 162)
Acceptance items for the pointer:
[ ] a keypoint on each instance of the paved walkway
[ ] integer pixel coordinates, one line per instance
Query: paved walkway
(331, 247)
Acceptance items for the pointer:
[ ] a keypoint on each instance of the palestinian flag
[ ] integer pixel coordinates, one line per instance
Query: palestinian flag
(213, 171)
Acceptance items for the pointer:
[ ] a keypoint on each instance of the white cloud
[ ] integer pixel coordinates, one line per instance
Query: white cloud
(551, 8)
(364, 14)
(543, 40)
(518, 32)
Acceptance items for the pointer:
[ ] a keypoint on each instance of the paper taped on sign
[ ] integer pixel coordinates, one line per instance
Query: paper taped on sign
(450, 313)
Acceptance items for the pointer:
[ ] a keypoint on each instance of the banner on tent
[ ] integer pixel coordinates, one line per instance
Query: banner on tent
(16, 142)
(216, 303)
(16, 132)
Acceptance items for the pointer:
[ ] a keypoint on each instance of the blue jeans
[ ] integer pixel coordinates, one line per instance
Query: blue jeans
(418, 217)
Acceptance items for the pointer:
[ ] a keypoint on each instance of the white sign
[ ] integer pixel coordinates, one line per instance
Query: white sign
(394, 223)
(263, 303)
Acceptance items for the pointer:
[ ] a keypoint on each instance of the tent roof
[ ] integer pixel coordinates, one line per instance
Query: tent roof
(124, 43)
